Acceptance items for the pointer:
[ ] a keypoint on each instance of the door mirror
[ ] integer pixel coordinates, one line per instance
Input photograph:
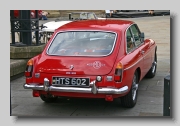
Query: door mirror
(142, 36)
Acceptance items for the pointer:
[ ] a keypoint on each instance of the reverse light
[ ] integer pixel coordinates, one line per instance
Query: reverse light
(118, 72)
(29, 68)
(98, 78)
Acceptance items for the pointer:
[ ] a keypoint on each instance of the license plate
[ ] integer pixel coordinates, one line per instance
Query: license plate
(68, 81)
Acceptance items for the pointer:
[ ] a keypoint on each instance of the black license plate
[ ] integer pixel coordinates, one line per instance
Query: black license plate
(68, 81)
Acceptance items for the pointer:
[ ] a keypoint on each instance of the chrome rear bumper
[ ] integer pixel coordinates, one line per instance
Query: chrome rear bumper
(92, 89)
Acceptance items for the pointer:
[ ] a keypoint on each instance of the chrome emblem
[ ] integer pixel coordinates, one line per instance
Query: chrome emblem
(37, 75)
(71, 67)
(96, 64)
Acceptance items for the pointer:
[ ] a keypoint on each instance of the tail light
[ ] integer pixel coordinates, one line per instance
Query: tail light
(29, 68)
(118, 72)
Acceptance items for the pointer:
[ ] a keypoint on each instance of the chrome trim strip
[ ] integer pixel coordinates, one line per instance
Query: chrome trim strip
(33, 86)
(137, 61)
(93, 90)
(133, 64)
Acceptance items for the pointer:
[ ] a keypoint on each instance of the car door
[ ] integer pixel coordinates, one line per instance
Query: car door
(143, 48)
(133, 58)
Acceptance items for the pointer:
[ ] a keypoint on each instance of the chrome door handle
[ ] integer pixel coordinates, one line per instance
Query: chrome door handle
(142, 51)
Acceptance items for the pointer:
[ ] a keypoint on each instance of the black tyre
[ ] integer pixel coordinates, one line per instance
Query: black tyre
(48, 98)
(151, 73)
(130, 99)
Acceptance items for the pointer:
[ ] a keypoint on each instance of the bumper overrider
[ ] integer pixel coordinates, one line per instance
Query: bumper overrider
(92, 89)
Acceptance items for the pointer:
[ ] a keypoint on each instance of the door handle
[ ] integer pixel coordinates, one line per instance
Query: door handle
(142, 51)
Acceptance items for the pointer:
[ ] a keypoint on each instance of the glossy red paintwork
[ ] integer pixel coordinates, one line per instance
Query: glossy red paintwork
(49, 66)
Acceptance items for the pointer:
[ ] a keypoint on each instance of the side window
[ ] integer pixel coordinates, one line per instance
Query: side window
(136, 34)
(129, 41)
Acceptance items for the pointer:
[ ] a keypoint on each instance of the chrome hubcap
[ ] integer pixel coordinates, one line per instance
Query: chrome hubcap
(134, 88)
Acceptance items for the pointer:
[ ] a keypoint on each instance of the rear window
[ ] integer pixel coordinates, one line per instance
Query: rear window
(82, 43)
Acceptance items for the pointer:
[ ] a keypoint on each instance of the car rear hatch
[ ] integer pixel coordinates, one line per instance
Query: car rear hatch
(76, 65)
(80, 53)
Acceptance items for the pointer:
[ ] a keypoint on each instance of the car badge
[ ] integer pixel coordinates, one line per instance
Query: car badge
(37, 75)
(71, 67)
(96, 64)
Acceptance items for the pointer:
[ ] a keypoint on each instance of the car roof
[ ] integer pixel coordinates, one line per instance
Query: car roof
(104, 24)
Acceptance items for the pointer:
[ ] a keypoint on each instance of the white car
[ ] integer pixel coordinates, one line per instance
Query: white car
(53, 25)
(49, 27)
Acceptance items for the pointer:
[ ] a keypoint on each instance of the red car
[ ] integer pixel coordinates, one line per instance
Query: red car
(93, 59)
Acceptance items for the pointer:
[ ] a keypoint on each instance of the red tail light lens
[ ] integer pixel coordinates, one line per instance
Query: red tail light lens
(118, 72)
(29, 68)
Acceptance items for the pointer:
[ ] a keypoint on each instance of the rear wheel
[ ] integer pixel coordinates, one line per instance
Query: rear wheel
(151, 73)
(130, 99)
(48, 98)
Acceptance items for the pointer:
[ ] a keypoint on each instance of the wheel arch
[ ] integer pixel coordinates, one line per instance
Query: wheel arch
(156, 53)
(139, 73)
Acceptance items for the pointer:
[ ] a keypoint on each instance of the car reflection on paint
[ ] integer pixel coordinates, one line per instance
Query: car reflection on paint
(93, 59)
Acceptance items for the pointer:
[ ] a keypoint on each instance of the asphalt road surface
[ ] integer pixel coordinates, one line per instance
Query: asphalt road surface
(150, 95)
